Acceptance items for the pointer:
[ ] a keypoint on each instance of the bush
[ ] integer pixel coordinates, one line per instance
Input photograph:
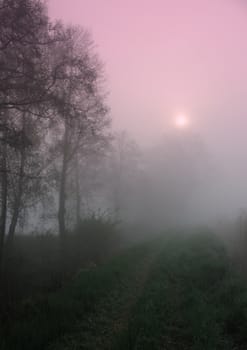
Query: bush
(96, 238)
(37, 265)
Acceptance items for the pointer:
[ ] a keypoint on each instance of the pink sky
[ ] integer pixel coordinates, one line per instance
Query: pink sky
(163, 57)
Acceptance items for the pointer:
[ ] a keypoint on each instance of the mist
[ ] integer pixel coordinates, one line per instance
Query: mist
(123, 166)
(171, 58)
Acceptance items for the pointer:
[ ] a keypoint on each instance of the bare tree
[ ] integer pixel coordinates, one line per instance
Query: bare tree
(81, 110)
(26, 38)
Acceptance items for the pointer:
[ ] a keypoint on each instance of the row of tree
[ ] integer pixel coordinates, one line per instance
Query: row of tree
(52, 112)
(58, 159)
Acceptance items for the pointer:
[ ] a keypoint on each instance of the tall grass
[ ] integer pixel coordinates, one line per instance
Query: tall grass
(39, 321)
(193, 300)
(37, 265)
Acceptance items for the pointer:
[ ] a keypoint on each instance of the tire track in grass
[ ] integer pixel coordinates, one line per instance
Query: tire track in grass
(190, 300)
(101, 329)
(181, 294)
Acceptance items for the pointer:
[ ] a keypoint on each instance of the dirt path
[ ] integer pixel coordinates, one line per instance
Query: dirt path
(103, 329)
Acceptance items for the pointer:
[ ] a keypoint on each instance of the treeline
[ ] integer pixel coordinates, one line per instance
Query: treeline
(52, 114)
(62, 169)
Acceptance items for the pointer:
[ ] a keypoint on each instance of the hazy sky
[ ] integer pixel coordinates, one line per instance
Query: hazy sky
(164, 57)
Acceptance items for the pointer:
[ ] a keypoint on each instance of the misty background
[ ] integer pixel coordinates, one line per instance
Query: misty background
(123, 167)
(177, 57)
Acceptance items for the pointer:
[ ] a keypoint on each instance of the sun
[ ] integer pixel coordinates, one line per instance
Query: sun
(181, 121)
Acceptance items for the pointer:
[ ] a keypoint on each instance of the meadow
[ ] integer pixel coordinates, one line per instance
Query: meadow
(175, 292)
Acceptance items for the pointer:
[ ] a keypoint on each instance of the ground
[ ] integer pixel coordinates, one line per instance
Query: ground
(176, 292)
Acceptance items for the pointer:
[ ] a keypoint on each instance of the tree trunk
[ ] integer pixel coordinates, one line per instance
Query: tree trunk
(62, 190)
(78, 193)
(17, 204)
(4, 196)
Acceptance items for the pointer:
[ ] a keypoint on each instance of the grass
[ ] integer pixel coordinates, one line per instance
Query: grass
(193, 300)
(35, 265)
(39, 321)
(178, 293)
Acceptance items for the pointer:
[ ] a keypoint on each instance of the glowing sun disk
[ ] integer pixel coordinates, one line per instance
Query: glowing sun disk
(181, 121)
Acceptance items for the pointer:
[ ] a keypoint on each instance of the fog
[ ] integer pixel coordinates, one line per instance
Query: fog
(163, 58)
(123, 166)
(154, 135)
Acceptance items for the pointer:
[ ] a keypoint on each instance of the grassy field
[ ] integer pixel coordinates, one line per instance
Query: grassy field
(178, 292)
